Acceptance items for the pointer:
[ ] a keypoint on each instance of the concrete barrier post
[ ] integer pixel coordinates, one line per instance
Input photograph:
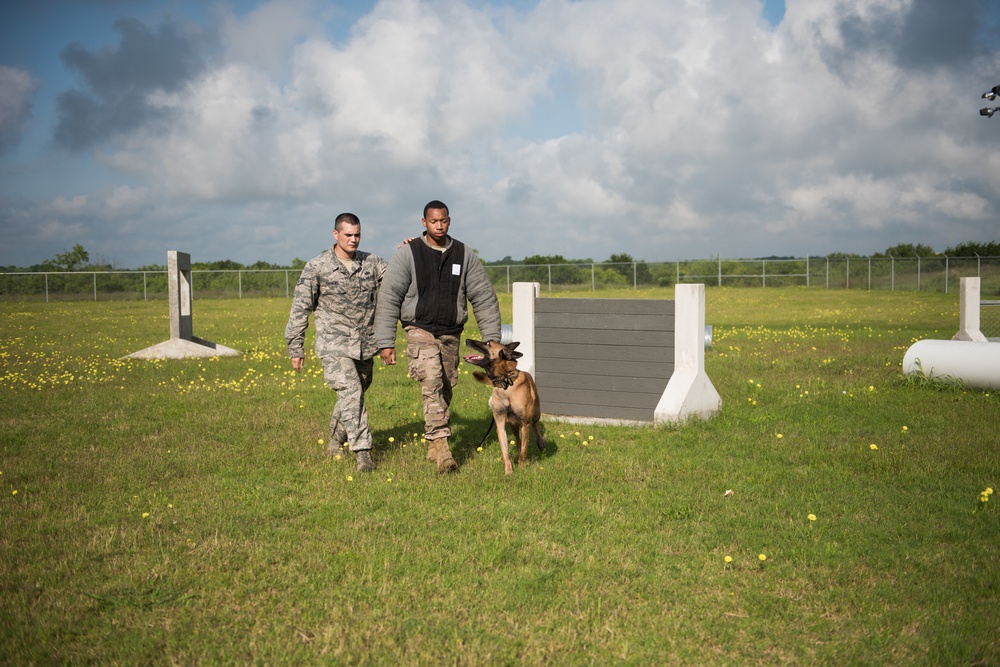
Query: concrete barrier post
(689, 392)
(182, 344)
(524, 295)
(968, 311)
(179, 293)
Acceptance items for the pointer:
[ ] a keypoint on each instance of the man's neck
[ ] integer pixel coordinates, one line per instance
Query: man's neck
(434, 244)
(341, 254)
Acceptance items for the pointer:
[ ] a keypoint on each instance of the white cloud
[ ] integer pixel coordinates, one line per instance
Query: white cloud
(704, 130)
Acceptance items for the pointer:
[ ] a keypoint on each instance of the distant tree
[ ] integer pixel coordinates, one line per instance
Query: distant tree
(629, 268)
(298, 263)
(907, 250)
(971, 249)
(220, 265)
(261, 265)
(72, 260)
(546, 259)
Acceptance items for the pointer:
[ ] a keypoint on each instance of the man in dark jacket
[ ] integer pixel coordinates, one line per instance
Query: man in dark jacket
(427, 287)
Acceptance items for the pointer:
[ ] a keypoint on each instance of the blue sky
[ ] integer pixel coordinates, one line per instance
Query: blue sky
(664, 129)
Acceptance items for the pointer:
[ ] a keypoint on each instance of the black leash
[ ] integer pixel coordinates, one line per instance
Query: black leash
(487, 434)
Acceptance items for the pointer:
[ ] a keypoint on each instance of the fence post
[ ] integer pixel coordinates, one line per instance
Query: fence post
(678, 272)
(847, 271)
(946, 274)
(720, 270)
(635, 281)
(807, 270)
(239, 282)
(892, 265)
(144, 298)
(95, 285)
(550, 276)
(763, 273)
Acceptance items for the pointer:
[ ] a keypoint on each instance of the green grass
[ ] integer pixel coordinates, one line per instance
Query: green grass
(184, 512)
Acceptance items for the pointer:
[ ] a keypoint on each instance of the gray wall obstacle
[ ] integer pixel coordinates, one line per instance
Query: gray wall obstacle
(616, 360)
(182, 343)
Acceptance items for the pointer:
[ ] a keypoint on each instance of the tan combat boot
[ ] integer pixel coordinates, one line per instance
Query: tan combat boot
(441, 455)
(432, 450)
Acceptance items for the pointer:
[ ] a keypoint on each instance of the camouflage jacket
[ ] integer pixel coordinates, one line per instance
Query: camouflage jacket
(343, 303)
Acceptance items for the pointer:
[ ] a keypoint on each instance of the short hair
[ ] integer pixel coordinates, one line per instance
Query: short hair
(345, 218)
(435, 204)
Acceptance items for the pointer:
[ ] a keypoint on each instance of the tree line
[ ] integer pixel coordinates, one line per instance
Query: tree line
(78, 259)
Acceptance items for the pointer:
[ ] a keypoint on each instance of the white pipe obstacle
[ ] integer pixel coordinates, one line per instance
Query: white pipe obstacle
(975, 365)
(969, 358)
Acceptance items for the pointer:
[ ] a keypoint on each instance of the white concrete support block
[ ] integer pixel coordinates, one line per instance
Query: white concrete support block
(179, 294)
(182, 344)
(968, 311)
(689, 392)
(524, 295)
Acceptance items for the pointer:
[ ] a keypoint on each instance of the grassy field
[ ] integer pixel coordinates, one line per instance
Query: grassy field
(184, 512)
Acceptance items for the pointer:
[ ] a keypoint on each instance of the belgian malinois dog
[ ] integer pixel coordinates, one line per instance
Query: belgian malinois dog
(515, 396)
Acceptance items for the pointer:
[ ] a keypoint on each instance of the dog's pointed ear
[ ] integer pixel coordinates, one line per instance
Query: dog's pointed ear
(513, 346)
(516, 355)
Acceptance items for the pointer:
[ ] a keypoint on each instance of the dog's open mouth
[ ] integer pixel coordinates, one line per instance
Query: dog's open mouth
(474, 358)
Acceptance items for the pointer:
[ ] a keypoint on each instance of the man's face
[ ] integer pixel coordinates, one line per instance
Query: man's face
(348, 238)
(437, 223)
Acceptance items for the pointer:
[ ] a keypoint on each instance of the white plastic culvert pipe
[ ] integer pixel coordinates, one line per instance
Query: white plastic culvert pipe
(975, 365)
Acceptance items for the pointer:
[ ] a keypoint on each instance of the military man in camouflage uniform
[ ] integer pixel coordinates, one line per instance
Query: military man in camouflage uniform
(340, 286)
(427, 287)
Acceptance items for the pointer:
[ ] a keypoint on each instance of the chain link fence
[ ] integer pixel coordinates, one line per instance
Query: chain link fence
(989, 318)
(921, 274)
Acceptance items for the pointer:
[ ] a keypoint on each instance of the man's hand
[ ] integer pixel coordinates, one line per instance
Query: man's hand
(388, 356)
(298, 363)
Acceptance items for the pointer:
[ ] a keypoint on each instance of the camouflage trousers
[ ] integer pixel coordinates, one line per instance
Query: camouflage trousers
(350, 378)
(433, 362)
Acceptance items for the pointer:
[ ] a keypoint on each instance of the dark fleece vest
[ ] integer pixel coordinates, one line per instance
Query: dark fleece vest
(439, 278)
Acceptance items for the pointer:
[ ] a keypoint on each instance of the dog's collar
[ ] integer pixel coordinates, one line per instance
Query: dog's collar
(506, 380)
